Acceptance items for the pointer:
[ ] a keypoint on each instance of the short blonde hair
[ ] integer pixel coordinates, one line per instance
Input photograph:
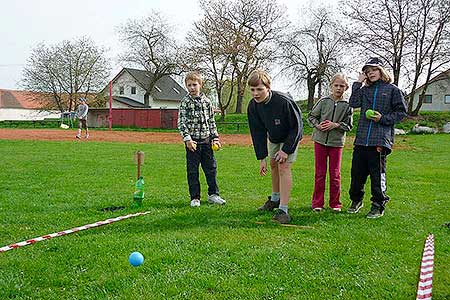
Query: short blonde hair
(385, 76)
(259, 76)
(340, 76)
(194, 76)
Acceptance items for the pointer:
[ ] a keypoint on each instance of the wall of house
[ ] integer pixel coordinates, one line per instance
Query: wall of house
(22, 114)
(127, 81)
(438, 89)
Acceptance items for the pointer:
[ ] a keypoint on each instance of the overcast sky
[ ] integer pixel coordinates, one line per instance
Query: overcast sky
(26, 23)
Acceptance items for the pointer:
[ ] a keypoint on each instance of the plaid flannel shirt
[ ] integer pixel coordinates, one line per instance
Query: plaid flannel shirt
(385, 98)
(196, 119)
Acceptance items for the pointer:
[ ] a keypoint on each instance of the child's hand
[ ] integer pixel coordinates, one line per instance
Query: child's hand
(376, 117)
(361, 77)
(191, 145)
(217, 142)
(327, 125)
(281, 156)
(263, 167)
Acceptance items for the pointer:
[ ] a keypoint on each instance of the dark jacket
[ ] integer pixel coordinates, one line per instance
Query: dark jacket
(279, 119)
(385, 98)
(335, 111)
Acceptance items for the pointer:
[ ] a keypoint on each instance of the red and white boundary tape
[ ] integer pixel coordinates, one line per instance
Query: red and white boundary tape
(424, 289)
(61, 233)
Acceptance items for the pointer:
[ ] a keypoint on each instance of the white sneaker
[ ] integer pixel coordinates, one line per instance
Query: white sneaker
(87, 135)
(195, 203)
(216, 199)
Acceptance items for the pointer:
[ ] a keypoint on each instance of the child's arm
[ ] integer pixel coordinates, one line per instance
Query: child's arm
(182, 121)
(258, 133)
(357, 94)
(296, 124)
(398, 111)
(314, 115)
(346, 124)
(213, 134)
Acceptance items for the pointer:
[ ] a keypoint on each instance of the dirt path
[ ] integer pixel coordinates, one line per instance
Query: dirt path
(117, 136)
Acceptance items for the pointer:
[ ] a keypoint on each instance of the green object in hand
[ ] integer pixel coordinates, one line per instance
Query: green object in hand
(370, 114)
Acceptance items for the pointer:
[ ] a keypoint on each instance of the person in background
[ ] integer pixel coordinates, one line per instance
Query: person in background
(81, 114)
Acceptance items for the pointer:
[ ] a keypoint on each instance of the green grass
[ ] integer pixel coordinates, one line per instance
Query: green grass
(213, 252)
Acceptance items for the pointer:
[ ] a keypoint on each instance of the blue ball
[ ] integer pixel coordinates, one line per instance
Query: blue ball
(136, 259)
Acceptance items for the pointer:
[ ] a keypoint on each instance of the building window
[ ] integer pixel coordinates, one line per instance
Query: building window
(428, 99)
(121, 90)
(157, 88)
(133, 90)
(176, 91)
(447, 99)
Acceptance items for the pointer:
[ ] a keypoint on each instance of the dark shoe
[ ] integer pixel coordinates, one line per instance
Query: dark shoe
(376, 211)
(270, 205)
(281, 217)
(355, 207)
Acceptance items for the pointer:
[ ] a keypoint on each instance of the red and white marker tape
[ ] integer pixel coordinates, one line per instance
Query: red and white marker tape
(424, 289)
(61, 233)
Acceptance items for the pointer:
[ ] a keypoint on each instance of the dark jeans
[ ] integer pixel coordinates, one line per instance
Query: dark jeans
(203, 155)
(368, 161)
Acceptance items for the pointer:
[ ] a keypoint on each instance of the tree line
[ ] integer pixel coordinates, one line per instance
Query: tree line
(233, 38)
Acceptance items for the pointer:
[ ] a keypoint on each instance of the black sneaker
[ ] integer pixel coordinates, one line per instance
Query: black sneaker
(269, 205)
(281, 217)
(355, 207)
(376, 211)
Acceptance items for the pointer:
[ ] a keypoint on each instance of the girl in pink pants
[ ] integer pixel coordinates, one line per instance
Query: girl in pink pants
(331, 118)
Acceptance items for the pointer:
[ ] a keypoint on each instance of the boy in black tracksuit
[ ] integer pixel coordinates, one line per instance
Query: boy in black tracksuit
(276, 128)
(375, 134)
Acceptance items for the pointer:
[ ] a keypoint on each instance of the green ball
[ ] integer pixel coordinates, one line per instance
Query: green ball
(370, 113)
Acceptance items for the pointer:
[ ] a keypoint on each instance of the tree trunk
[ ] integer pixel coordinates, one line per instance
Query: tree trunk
(240, 97)
(311, 91)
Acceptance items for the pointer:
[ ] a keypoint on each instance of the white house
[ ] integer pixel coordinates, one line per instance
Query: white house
(23, 106)
(129, 91)
(437, 97)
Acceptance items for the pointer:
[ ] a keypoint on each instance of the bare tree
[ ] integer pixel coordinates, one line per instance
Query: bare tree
(256, 27)
(379, 28)
(312, 52)
(207, 52)
(66, 71)
(150, 45)
(430, 39)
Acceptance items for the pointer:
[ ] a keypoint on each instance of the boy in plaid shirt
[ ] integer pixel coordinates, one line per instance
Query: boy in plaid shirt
(199, 132)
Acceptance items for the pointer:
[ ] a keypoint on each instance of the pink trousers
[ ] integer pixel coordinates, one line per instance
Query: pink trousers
(323, 154)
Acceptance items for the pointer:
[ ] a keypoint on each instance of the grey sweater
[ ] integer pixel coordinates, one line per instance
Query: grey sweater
(335, 111)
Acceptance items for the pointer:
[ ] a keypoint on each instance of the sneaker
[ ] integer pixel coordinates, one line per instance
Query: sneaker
(336, 209)
(269, 205)
(216, 199)
(87, 135)
(355, 207)
(376, 211)
(195, 203)
(78, 136)
(281, 217)
(317, 209)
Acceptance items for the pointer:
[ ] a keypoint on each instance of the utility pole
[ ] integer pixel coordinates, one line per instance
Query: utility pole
(321, 68)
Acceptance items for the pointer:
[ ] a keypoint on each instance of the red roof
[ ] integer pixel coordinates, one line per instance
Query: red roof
(23, 99)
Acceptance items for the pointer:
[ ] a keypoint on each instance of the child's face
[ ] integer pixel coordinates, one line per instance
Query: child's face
(373, 73)
(193, 87)
(338, 87)
(260, 92)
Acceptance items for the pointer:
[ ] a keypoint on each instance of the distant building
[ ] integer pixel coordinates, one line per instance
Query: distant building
(437, 97)
(24, 105)
(130, 90)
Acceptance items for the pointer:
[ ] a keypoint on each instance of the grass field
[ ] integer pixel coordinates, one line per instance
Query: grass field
(230, 252)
